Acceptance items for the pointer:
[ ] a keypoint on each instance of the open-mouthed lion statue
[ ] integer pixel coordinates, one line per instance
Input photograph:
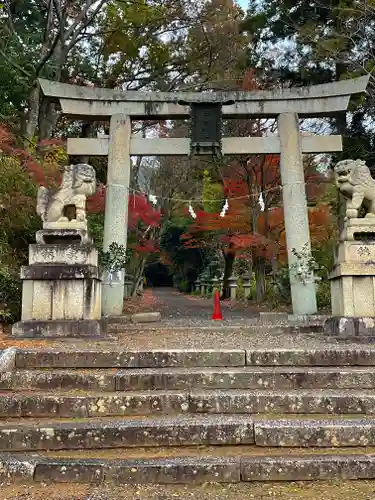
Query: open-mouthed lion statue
(353, 179)
(78, 182)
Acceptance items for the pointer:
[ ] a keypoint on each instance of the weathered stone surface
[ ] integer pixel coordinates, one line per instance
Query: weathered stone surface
(283, 318)
(175, 471)
(7, 360)
(78, 182)
(187, 470)
(57, 328)
(295, 211)
(67, 359)
(151, 317)
(353, 179)
(246, 378)
(300, 468)
(59, 272)
(144, 403)
(70, 471)
(129, 359)
(318, 433)
(93, 405)
(72, 254)
(311, 357)
(180, 431)
(17, 469)
(78, 406)
(158, 471)
(299, 402)
(62, 379)
(345, 327)
(321, 99)
(26, 406)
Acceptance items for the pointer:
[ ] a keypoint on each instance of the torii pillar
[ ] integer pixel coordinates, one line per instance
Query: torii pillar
(295, 211)
(116, 208)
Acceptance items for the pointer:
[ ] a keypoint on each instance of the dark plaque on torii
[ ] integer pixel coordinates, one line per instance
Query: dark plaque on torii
(206, 127)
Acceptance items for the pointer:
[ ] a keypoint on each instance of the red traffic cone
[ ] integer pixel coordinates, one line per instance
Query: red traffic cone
(217, 309)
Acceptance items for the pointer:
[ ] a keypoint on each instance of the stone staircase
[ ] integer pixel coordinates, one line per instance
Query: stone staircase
(187, 416)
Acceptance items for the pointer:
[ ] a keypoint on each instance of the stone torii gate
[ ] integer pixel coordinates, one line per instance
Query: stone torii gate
(287, 105)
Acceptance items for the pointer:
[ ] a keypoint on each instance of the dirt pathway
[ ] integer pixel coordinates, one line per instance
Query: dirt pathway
(176, 305)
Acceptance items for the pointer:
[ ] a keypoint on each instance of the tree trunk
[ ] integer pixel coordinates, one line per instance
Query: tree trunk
(274, 265)
(228, 269)
(33, 111)
(260, 278)
(250, 271)
(138, 275)
(47, 119)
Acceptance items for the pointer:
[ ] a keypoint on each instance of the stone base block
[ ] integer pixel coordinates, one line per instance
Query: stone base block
(355, 251)
(146, 317)
(61, 292)
(353, 290)
(63, 236)
(55, 254)
(345, 327)
(58, 329)
(359, 230)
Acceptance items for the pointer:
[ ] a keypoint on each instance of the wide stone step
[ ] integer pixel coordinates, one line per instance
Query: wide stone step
(196, 466)
(113, 358)
(127, 432)
(81, 404)
(315, 432)
(55, 358)
(234, 401)
(90, 380)
(248, 377)
(97, 433)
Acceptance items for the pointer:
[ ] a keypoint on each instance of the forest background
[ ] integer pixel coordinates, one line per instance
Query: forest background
(171, 45)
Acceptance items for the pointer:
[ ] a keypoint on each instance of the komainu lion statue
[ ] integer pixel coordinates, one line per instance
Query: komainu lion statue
(354, 181)
(78, 182)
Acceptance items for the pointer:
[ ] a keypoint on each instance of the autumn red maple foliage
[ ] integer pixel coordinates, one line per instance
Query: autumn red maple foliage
(243, 233)
(29, 161)
(143, 219)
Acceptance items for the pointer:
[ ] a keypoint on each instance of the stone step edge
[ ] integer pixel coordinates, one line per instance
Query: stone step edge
(192, 358)
(185, 470)
(91, 404)
(188, 430)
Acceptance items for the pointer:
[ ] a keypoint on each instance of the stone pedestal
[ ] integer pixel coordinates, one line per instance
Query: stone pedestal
(61, 294)
(247, 285)
(353, 280)
(233, 287)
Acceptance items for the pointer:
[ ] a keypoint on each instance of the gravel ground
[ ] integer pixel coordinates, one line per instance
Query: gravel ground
(227, 337)
(350, 490)
(161, 337)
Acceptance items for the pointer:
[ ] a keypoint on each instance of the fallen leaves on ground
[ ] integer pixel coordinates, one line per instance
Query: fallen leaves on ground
(146, 302)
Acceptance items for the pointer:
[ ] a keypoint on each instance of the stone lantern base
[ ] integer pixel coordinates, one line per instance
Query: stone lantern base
(61, 295)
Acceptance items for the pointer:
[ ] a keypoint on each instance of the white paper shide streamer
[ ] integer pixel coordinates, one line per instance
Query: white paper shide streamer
(225, 209)
(261, 202)
(191, 211)
(152, 198)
